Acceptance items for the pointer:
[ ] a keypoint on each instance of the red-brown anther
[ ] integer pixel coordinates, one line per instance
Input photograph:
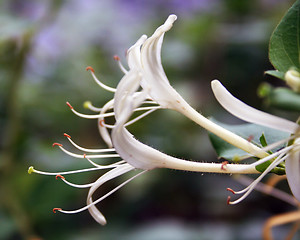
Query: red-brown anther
(70, 106)
(67, 135)
(116, 58)
(89, 68)
(101, 122)
(56, 209)
(223, 166)
(59, 176)
(84, 155)
(250, 138)
(230, 190)
(56, 144)
(228, 200)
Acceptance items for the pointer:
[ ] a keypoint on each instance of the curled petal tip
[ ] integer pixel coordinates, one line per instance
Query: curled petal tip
(56, 144)
(56, 209)
(89, 68)
(172, 17)
(215, 83)
(30, 169)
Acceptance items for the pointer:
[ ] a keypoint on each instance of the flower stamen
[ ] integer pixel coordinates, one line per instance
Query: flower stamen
(59, 176)
(121, 66)
(56, 144)
(89, 105)
(56, 209)
(86, 149)
(104, 196)
(90, 116)
(89, 156)
(102, 85)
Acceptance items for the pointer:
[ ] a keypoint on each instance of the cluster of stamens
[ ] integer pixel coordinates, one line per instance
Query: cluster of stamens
(275, 159)
(89, 154)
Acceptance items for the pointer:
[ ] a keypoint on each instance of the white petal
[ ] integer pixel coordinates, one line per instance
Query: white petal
(250, 114)
(154, 78)
(292, 168)
(120, 170)
(103, 130)
(134, 53)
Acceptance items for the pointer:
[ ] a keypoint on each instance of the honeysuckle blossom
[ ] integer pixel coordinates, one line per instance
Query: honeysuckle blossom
(290, 153)
(155, 82)
(145, 88)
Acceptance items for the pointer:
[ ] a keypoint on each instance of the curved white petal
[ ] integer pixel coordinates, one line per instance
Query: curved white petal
(250, 114)
(120, 170)
(134, 53)
(102, 129)
(154, 78)
(292, 168)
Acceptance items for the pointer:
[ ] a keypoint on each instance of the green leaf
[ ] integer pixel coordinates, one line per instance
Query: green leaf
(263, 140)
(275, 73)
(248, 131)
(281, 98)
(284, 45)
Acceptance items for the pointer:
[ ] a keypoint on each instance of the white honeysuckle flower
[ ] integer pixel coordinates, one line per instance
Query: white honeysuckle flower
(140, 155)
(290, 154)
(118, 168)
(145, 70)
(155, 82)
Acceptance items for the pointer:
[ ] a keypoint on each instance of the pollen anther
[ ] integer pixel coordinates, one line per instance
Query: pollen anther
(70, 106)
(101, 122)
(89, 68)
(67, 135)
(230, 190)
(56, 144)
(59, 176)
(30, 169)
(116, 58)
(56, 209)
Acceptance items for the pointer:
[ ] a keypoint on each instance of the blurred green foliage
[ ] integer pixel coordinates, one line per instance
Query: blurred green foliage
(44, 49)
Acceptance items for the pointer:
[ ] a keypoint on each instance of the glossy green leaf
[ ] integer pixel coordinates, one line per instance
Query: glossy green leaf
(275, 73)
(284, 45)
(281, 98)
(249, 131)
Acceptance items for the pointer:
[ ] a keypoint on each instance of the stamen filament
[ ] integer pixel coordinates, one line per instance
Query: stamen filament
(77, 185)
(110, 89)
(104, 166)
(92, 116)
(89, 150)
(103, 197)
(141, 116)
(250, 188)
(121, 66)
(88, 156)
(282, 151)
(32, 170)
(89, 105)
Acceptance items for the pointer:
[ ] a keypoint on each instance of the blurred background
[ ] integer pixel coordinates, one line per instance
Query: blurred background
(44, 49)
